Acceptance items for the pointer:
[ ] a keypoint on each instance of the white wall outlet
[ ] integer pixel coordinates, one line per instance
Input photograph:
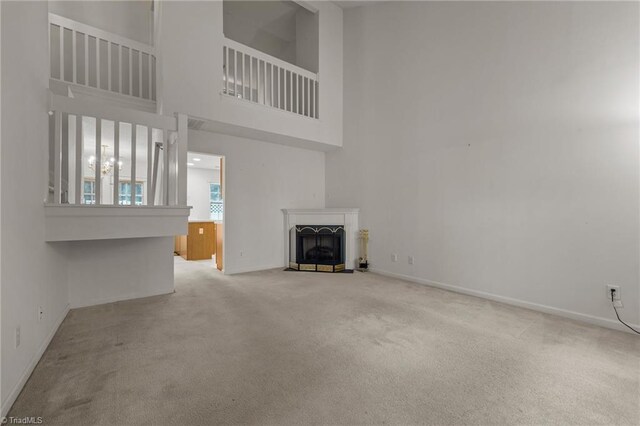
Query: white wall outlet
(201, 231)
(618, 303)
(40, 313)
(410, 260)
(17, 336)
(394, 257)
(616, 294)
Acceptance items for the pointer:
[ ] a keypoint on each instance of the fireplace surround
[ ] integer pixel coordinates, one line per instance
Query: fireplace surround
(318, 248)
(336, 216)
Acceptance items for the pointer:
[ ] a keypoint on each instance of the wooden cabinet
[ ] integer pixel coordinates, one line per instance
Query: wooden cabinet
(219, 238)
(181, 245)
(200, 243)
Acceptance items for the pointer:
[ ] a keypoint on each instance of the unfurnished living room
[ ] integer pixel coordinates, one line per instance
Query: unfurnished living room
(319, 212)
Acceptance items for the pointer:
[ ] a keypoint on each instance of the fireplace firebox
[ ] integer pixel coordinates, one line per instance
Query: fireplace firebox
(318, 248)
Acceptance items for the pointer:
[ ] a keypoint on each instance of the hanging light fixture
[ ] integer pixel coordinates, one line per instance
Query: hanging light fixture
(107, 166)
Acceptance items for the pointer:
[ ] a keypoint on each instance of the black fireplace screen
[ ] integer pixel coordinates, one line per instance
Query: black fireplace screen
(317, 248)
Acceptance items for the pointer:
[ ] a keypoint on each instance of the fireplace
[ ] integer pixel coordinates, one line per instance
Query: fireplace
(318, 248)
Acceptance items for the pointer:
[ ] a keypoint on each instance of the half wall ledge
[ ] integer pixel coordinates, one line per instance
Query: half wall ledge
(67, 222)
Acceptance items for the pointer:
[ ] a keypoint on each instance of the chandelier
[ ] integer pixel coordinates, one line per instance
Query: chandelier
(107, 166)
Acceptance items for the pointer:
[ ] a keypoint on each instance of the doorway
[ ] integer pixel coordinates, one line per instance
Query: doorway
(205, 194)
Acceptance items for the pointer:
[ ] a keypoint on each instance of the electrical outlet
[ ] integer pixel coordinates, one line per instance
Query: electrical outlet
(618, 303)
(410, 260)
(17, 336)
(394, 257)
(616, 292)
(40, 313)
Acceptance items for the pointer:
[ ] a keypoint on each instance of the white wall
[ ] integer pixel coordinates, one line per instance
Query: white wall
(131, 19)
(307, 42)
(36, 274)
(198, 181)
(498, 144)
(33, 272)
(191, 33)
(111, 270)
(1, 393)
(260, 180)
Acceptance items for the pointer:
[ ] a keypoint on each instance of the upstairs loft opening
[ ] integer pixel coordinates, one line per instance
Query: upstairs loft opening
(105, 49)
(282, 29)
(270, 55)
(132, 19)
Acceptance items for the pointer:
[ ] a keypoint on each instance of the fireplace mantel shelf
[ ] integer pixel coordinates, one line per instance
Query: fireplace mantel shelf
(322, 211)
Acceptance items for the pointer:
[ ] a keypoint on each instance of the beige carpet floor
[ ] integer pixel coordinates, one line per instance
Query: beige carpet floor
(279, 347)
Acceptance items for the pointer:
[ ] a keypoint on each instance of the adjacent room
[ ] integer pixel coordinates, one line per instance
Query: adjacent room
(289, 212)
(205, 236)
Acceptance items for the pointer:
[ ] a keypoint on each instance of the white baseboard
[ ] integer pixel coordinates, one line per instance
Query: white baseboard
(251, 269)
(13, 395)
(119, 298)
(590, 319)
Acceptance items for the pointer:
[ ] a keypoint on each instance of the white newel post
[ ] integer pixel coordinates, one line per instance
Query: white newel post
(183, 135)
(346, 217)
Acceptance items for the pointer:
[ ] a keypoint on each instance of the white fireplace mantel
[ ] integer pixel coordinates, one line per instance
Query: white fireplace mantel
(334, 216)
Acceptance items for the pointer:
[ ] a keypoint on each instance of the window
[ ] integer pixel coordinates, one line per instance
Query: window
(215, 202)
(125, 193)
(89, 192)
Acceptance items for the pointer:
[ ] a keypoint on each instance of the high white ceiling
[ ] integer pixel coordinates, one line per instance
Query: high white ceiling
(355, 3)
(203, 161)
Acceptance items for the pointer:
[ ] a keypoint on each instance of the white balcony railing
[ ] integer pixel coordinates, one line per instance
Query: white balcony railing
(260, 78)
(102, 155)
(90, 57)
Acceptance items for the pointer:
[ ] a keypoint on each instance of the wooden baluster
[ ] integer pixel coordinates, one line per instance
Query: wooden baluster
(61, 43)
(116, 169)
(297, 94)
(165, 169)
(108, 65)
(235, 73)
(150, 195)
(305, 84)
(154, 88)
(120, 66)
(149, 72)
(272, 67)
(312, 100)
(277, 76)
(57, 147)
(98, 163)
(98, 73)
(74, 56)
(140, 75)
(134, 131)
(79, 151)
(130, 71)
(86, 59)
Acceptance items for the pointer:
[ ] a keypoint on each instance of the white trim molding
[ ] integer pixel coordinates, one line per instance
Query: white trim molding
(590, 319)
(13, 395)
(68, 222)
